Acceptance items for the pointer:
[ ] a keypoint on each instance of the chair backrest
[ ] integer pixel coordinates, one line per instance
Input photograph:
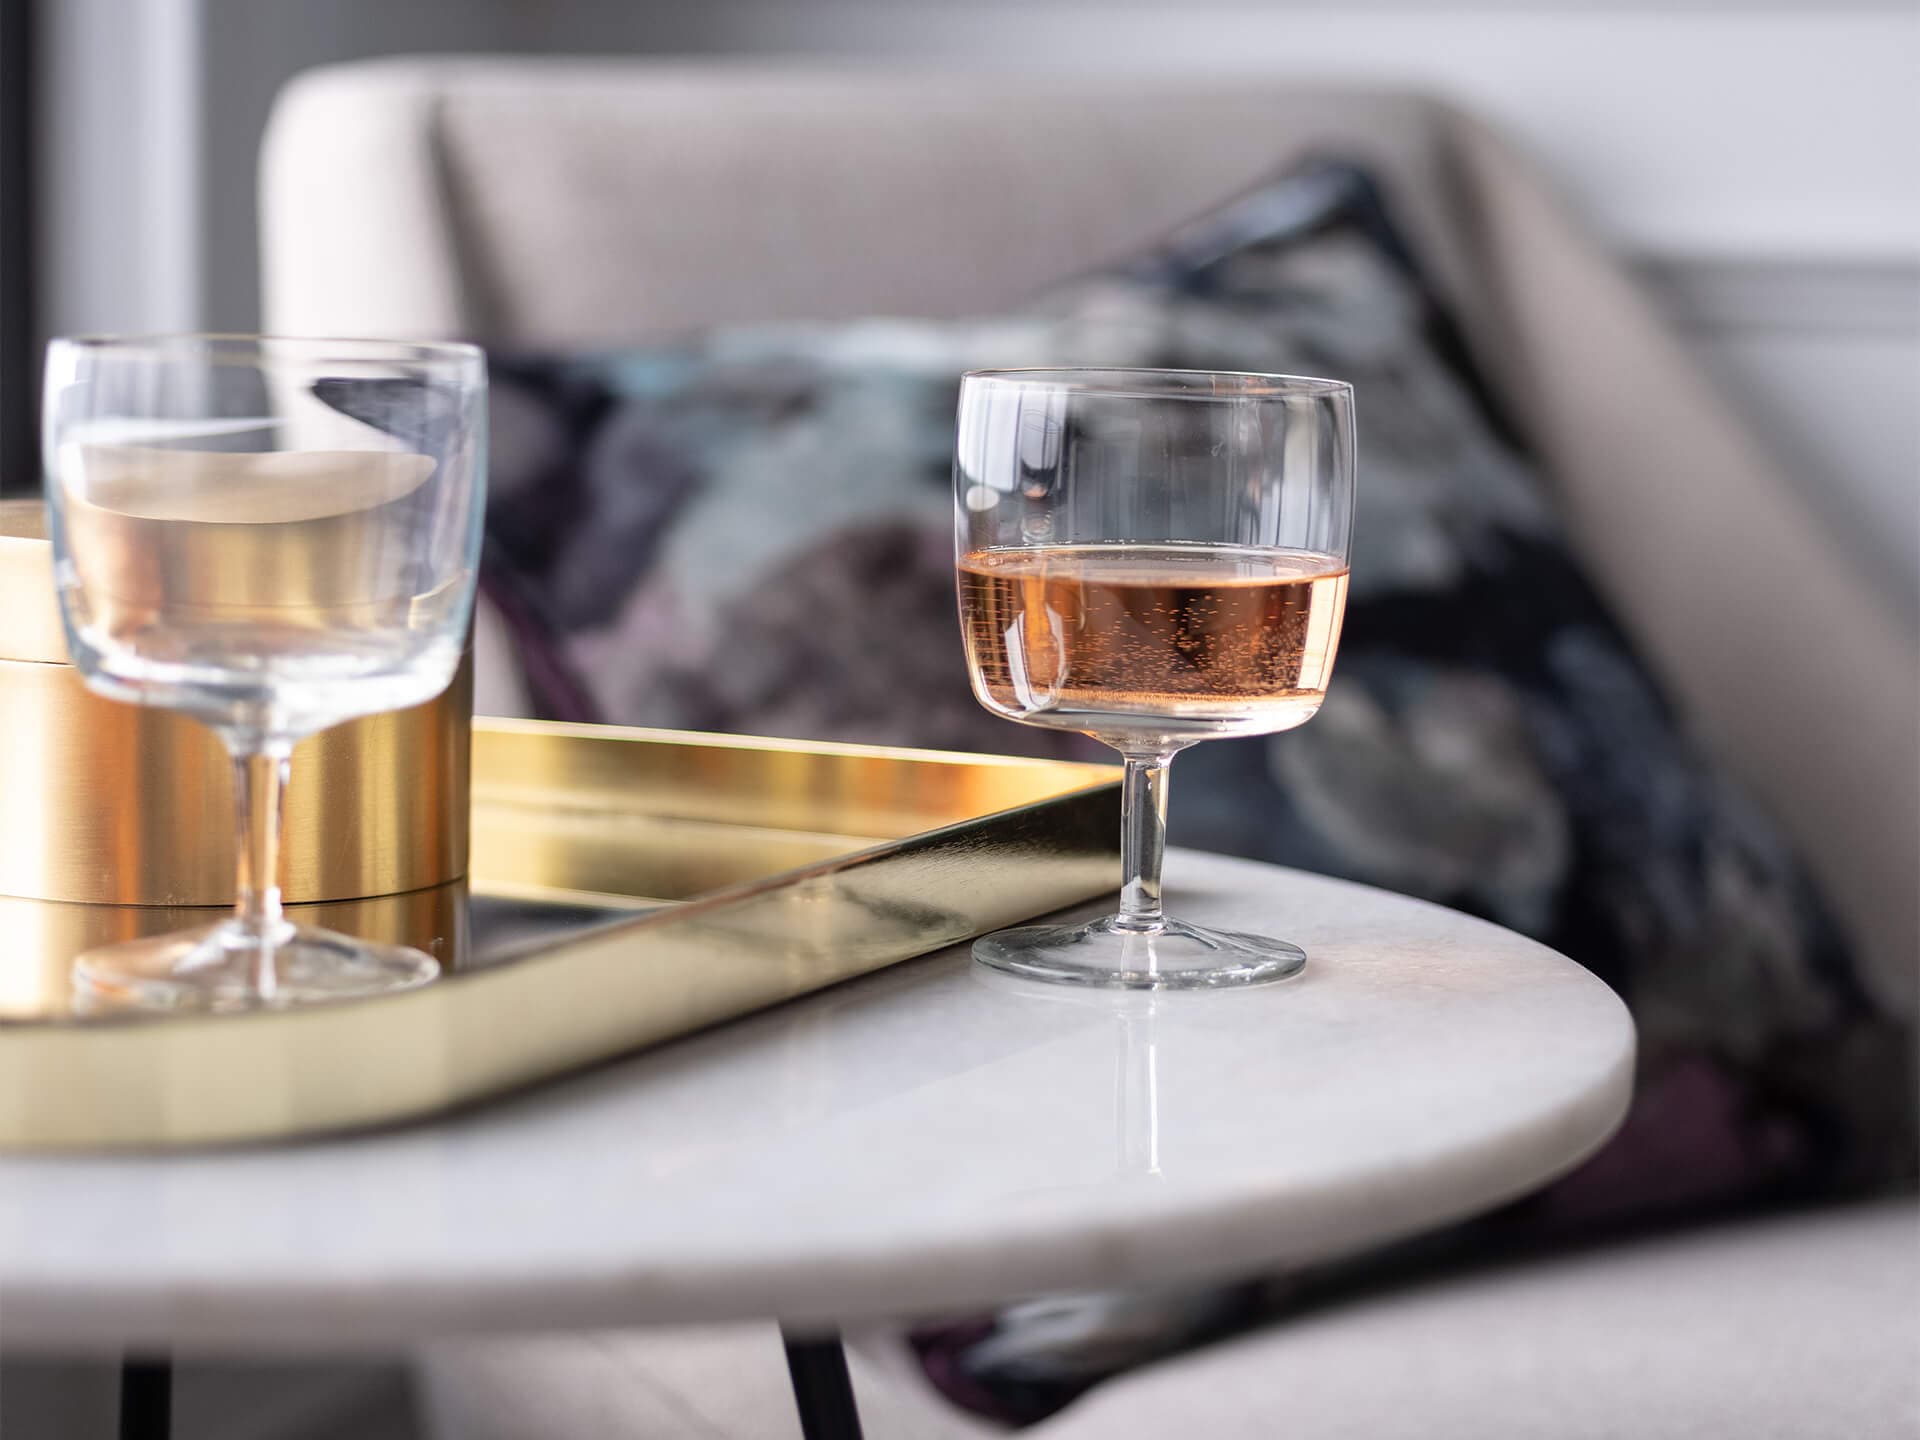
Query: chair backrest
(572, 203)
(575, 203)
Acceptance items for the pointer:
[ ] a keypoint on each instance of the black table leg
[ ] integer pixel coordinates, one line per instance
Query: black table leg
(146, 1398)
(822, 1389)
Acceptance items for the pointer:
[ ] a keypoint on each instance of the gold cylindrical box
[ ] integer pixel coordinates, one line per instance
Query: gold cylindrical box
(104, 803)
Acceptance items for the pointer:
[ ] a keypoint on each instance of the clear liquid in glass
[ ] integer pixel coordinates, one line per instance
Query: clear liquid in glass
(278, 593)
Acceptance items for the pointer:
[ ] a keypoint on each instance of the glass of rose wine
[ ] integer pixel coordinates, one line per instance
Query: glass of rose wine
(1152, 558)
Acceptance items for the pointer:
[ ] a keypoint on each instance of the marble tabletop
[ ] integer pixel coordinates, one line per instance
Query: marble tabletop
(930, 1137)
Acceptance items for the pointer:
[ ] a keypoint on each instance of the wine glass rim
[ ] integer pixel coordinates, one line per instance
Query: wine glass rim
(339, 347)
(1163, 383)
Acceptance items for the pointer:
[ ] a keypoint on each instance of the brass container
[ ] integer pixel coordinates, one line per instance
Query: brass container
(110, 804)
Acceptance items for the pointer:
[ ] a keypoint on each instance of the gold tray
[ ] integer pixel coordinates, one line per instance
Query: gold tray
(626, 887)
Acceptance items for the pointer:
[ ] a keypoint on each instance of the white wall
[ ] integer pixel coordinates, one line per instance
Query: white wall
(152, 115)
(1757, 157)
(119, 166)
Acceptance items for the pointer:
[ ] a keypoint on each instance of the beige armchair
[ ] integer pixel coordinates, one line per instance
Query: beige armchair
(581, 203)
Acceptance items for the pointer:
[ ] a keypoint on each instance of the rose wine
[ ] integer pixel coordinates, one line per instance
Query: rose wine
(1173, 641)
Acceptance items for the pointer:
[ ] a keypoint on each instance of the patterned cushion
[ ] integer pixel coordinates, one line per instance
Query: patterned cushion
(752, 532)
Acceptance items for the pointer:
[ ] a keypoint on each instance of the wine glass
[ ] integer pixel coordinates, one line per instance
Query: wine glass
(272, 536)
(1152, 558)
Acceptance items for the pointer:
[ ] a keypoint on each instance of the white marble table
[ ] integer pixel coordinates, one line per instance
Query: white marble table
(932, 1137)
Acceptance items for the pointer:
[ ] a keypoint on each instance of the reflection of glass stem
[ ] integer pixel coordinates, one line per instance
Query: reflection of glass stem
(1137, 1093)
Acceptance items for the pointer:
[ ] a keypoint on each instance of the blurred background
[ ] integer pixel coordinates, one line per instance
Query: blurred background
(1754, 158)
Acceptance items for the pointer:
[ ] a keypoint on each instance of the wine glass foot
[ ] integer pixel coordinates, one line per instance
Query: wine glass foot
(216, 970)
(1177, 956)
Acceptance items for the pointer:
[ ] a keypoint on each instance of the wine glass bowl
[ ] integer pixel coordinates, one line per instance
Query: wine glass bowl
(1152, 558)
(272, 536)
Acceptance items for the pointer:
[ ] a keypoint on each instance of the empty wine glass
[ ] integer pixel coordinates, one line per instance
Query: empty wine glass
(1152, 558)
(272, 536)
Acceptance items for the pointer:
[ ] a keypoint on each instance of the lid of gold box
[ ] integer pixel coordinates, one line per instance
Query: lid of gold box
(29, 613)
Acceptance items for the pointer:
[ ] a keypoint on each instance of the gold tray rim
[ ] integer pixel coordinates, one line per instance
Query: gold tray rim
(1097, 772)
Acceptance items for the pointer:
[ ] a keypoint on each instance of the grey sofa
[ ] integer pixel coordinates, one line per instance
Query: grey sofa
(575, 203)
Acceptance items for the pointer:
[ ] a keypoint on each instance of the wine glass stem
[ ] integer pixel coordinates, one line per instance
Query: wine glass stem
(1143, 842)
(259, 790)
